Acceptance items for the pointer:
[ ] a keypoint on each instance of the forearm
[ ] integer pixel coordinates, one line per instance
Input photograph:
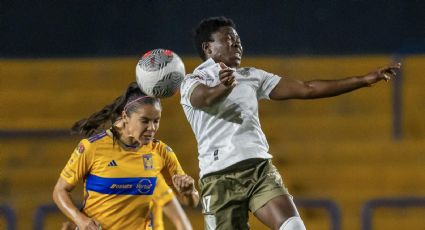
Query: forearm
(190, 199)
(330, 88)
(64, 202)
(203, 95)
(62, 198)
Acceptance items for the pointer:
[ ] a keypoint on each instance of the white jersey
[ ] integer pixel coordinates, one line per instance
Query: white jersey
(229, 131)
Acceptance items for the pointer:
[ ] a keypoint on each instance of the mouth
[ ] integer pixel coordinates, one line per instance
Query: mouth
(146, 137)
(238, 54)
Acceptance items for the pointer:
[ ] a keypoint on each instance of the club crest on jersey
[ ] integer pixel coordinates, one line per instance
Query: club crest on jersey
(80, 148)
(148, 161)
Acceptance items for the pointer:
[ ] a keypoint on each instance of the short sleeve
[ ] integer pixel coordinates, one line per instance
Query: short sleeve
(171, 164)
(188, 85)
(267, 83)
(79, 163)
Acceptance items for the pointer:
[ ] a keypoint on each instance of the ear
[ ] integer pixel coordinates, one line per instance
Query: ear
(206, 48)
(124, 117)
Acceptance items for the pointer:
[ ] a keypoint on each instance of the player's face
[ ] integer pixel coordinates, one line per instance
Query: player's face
(144, 123)
(226, 47)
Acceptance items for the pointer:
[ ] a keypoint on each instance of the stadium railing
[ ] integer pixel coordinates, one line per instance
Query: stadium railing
(10, 216)
(401, 202)
(330, 206)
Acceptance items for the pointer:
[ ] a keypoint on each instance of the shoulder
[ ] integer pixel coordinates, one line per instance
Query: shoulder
(161, 146)
(84, 147)
(207, 69)
(97, 137)
(88, 145)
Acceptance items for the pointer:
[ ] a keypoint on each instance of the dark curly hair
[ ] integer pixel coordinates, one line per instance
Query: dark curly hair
(202, 33)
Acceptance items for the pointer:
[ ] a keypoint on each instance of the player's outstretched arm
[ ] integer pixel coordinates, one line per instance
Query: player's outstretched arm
(186, 191)
(294, 89)
(174, 211)
(204, 95)
(62, 198)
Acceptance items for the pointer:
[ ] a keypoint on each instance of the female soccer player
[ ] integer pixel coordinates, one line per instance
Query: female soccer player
(122, 167)
(220, 101)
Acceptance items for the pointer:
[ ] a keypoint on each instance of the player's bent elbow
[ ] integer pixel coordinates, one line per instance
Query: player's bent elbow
(57, 191)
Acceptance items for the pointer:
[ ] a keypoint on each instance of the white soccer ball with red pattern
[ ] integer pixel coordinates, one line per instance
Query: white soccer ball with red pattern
(159, 73)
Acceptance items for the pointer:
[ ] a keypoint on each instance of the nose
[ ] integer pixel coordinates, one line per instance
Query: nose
(237, 44)
(151, 126)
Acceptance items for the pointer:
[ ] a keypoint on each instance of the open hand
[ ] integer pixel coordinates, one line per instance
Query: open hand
(383, 73)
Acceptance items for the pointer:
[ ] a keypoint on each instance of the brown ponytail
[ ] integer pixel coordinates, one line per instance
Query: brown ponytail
(109, 114)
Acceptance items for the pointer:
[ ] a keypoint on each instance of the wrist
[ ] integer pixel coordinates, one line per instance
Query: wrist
(226, 88)
(79, 217)
(190, 192)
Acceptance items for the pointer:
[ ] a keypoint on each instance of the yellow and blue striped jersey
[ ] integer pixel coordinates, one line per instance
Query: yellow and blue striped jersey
(119, 182)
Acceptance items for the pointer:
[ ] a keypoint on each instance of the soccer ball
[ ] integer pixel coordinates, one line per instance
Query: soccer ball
(159, 73)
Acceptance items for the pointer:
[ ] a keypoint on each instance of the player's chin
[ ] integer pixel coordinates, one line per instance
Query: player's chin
(237, 59)
(234, 62)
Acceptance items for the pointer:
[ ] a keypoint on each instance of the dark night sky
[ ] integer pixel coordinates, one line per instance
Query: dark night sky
(47, 28)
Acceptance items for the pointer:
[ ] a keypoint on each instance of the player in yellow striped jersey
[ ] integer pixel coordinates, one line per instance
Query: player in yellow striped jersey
(123, 167)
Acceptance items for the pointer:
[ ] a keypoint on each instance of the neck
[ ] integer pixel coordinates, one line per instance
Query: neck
(125, 139)
(128, 140)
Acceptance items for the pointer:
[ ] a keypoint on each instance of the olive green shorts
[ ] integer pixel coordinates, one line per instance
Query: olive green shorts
(228, 195)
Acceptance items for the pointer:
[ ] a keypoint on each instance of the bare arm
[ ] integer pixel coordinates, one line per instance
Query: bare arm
(186, 191)
(294, 89)
(175, 213)
(204, 95)
(62, 198)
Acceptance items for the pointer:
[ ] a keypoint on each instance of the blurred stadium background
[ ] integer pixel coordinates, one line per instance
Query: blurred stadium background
(355, 161)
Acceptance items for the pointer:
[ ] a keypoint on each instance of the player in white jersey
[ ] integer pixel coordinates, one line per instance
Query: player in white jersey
(220, 101)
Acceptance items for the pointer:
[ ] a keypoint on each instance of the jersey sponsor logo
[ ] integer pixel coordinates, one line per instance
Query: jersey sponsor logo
(216, 155)
(148, 161)
(195, 77)
(244, 71)
(144, 186)
(118, 186)
(112, 164)
(121, 186)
